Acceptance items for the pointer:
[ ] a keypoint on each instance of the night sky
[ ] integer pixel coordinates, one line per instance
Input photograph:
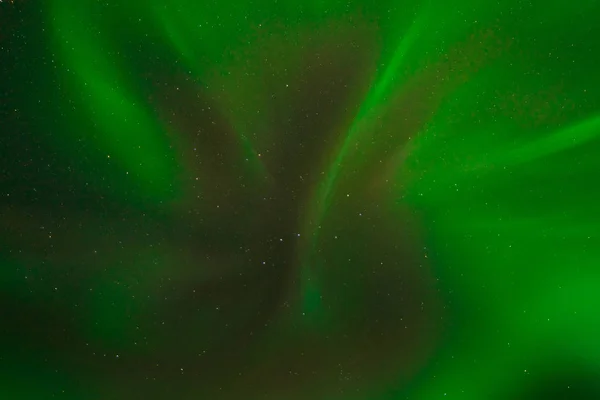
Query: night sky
(299, 200)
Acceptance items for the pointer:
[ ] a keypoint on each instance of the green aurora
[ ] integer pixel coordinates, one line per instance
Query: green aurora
(276, 199)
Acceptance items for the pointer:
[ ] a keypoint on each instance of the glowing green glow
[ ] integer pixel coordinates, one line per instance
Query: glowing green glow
(323, 199)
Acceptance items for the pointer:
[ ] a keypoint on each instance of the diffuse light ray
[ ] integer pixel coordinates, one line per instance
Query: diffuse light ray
(373, 100)
(513, 157)
(127, 130)
(216, 70)
(577, 134)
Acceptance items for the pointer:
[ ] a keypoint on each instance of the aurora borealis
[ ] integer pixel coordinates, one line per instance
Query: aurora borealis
(290, 200)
